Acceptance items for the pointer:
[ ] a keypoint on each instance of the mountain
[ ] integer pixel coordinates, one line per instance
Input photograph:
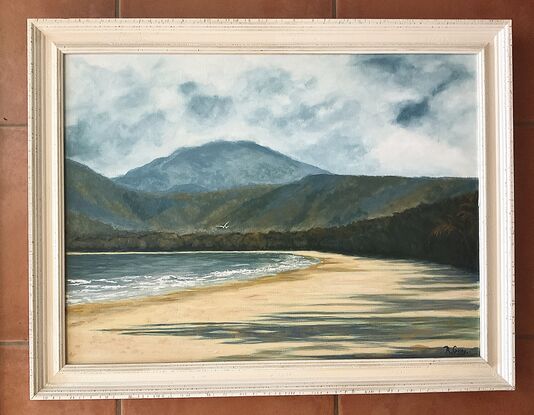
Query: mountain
(444, 232)
(98, 198)
(334, 200)
(215, 166)
(322, 200)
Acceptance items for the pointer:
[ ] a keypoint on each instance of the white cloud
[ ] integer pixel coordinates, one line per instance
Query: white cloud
(335, 111)
(405, 153)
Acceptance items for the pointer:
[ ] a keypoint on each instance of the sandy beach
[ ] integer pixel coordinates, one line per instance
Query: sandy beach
(343, 307)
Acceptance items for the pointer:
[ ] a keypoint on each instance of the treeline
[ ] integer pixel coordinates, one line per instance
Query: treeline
(444, 232)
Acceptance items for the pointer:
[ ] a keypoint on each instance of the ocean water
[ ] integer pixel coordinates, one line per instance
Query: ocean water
(106, 277)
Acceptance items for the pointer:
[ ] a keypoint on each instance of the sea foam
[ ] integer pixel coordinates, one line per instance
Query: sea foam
(107, 277)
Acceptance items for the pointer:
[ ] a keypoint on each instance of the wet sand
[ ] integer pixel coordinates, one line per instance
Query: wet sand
(343, 307)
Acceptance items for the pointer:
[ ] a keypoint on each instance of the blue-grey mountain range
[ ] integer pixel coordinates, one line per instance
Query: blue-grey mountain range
(250, 186)
(216, 165)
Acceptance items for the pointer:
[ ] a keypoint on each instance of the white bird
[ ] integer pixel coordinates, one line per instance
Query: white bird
(225, 226)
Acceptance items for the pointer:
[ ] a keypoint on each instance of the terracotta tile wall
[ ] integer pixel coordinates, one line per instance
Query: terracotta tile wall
(13, 208)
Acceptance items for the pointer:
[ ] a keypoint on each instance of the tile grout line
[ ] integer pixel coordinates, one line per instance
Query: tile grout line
(17, 343)
(13, 125)
(117, 8)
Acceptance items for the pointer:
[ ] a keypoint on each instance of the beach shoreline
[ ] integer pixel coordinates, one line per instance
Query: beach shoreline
(247, 320)
(98, 306)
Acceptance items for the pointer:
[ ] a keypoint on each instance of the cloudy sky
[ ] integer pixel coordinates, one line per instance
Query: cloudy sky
(410, 115)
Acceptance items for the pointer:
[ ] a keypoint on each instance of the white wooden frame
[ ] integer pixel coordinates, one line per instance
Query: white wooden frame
(49, 40)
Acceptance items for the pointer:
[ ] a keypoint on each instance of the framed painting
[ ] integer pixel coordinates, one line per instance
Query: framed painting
(258, 207)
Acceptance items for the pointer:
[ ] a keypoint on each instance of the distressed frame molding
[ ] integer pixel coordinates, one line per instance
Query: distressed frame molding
(50, 40)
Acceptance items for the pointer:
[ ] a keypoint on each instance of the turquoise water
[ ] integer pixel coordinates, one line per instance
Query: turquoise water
(106, 277)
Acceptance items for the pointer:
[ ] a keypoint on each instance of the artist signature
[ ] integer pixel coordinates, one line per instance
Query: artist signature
(455, 351)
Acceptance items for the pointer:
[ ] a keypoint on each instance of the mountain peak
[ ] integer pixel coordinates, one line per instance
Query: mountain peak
(217, 165)
(221, 144)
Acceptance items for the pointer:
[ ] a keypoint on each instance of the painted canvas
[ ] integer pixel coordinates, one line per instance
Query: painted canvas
(271, 207)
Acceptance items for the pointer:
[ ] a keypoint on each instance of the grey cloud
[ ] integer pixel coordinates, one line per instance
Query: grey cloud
(78, 142)
(268, 81)
(426, 76)
(430, 72)
(149, 127)
(348, 153)
(86, 139)
(304, 112)
(457, 74)
(209, 108)
(187, 88)
(396, 68)
(310, 83)
(387, 63)
(204, 107)
(412, 111)
(99, 138)
(135, 97)
(304, 116)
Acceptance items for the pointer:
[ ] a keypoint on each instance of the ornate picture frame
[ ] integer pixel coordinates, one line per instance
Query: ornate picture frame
(50, 40)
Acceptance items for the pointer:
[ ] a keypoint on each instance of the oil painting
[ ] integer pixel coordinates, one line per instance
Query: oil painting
(240, 207)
